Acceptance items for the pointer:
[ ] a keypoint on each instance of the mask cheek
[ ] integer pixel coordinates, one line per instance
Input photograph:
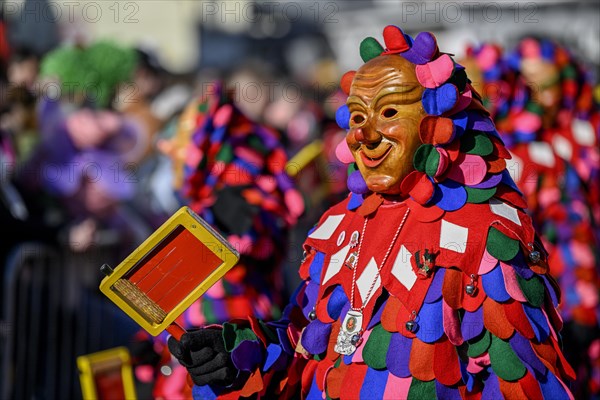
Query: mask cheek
(351, 139)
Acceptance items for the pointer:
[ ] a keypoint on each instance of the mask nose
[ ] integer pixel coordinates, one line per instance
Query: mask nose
(367, 135)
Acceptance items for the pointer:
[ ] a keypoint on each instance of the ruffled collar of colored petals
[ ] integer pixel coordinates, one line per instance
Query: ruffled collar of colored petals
(462, 158)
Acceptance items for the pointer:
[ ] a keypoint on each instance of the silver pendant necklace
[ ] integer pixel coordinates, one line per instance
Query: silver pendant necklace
(350, 335)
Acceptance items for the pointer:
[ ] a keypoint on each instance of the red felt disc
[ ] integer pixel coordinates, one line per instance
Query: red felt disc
(346, 81)
(353, 381)
(499, 149)
(445, 362)
(394, 39)
(331, 353)
(423, 190)
(452, 288)
(494, 319)
(436, 130)
(547, 355)
(309, 373)
(495, 165)
(424, 214)
(254, 384)
(531, 387)
(322, 369)
(511, 390)
(421, 360)
(390, 314)
(565, 367)
(517, 318)
(510, 196)
(335, 379)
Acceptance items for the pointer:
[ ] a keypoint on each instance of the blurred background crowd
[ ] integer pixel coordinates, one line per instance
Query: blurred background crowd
(115, 114)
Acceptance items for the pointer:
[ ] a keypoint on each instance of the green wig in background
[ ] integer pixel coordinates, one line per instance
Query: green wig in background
(92, 72)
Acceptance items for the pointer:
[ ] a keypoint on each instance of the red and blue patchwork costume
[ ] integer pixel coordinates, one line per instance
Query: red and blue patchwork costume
(448, 285)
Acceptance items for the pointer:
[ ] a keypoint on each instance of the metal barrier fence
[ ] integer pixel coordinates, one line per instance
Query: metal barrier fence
(52, 312)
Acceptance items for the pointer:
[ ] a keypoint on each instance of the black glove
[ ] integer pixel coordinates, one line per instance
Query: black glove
(202, 353)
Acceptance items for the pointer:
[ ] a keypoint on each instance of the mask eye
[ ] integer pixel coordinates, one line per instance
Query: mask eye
(389, 112)
(357, 119)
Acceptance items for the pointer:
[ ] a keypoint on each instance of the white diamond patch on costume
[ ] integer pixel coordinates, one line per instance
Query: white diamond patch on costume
(514, 166)
(562, 147)
(583, 132)
(335, 263)
(453, 237)
(504, 210)
(541, 153)
(326, 229)
(403, 270)
(366, 279)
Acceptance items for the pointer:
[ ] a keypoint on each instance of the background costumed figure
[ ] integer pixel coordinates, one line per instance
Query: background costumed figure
(91, 147)
(230, 171)
(427, 281)
(545, 112)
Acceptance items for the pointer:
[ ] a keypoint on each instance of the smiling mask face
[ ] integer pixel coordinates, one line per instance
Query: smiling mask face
(385, 112)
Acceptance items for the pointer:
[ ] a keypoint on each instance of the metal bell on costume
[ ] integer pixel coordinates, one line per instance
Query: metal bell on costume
(312, 315)
(411, 326)
(470, 289)
(355, 340)
(535, 256)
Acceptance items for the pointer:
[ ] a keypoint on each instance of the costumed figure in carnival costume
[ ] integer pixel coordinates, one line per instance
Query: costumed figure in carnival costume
(426, 281)
(87, 149)
(230, 171)
(546, 114)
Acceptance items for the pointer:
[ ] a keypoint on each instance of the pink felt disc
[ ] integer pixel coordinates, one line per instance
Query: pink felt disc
(343, 153)
(463, 102)
(294, 202)
(223, 115)
(435, 73)
(477, 364)
(527, 122)
(488, 262)
(487, 57)
(511, 283)
(468, 169)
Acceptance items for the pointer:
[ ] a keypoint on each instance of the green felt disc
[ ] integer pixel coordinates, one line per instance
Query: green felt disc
(225, 154)
(477, 143)
(369, 49)
(376, 348)
(479, 195)
(233, 335)
(256, 143)
(480, 344)
(208, 311)
(504, 361)
(569, 72)
(534, 108)
(421, 156)
(432, 163)
(501, 246)
(533, 289)
(420, 390)
(203, 107)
